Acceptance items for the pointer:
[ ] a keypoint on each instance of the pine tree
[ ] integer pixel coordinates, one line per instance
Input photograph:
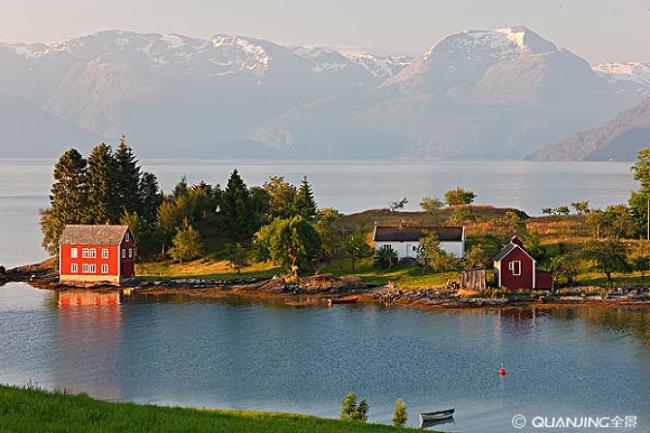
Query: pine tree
(150, 199)
(400, 416)
(305, 204)
(348, 407)
(237, 209)
(127, 178)
(180, 190)
(68, 202)
(103, 202)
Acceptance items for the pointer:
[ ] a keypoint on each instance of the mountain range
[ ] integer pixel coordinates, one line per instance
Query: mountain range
(487, 94)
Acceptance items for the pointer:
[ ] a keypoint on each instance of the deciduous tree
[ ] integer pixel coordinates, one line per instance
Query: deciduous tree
(459, 196)
(292, 243)
(187, 244)
(430, 204)
(609, 256)
(282, 197)
(355, 248)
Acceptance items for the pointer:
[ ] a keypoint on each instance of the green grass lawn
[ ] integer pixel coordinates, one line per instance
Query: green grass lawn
(32, 411)
(405, 276)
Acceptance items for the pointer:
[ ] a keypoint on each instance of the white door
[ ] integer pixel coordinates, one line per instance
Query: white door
(409, 251)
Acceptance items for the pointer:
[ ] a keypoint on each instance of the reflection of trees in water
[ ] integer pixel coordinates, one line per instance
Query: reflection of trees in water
(621, 319)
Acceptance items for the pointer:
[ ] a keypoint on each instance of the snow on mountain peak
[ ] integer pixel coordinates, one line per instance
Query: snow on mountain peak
(507, 42)
(633, 76)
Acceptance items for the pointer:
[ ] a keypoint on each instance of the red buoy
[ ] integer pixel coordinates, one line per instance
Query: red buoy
(502, 371)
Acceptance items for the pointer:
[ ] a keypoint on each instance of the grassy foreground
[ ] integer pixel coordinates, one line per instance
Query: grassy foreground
(31, 410)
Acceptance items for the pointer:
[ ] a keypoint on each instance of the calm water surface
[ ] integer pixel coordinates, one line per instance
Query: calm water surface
(561, 362)
(347, 186)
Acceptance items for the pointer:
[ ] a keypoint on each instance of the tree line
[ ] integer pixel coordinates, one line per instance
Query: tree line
(281, 220)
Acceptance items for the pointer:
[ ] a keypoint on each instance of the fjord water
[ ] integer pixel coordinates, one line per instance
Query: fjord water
(349, 186)
(560, 361)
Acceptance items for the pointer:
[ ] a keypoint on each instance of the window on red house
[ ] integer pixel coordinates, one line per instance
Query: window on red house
(515, 267)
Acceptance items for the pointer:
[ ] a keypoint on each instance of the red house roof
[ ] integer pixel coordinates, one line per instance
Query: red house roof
(81, 234)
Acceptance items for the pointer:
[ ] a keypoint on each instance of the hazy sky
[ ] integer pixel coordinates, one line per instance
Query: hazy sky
(599, 30)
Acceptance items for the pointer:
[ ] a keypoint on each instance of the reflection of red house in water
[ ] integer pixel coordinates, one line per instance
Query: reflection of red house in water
(96, 254)
(515, 268)
(76, 298)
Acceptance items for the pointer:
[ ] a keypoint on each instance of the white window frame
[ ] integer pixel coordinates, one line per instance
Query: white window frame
(104, 253)
(85, 268)
(85, 252)
(74, 268)
(124, 253)
(130, 253)
(104, 268)
(74, 253)
(93, 268)
(126, 238)
(516, 270)
(93, 253)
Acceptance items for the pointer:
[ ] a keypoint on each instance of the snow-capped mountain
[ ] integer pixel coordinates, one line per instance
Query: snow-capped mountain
(478, 93)
(172, 89)
(475, 94)
(626, 77)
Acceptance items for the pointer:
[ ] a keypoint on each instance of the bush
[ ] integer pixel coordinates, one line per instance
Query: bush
(384, 257)
(187, 244)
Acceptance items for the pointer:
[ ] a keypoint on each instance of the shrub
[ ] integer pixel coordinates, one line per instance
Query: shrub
(385, 256)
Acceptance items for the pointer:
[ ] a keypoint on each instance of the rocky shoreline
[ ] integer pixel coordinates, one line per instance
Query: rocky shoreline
(317, 289)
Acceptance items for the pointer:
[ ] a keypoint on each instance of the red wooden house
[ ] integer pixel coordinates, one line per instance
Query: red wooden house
(96, 254)
(515, 268)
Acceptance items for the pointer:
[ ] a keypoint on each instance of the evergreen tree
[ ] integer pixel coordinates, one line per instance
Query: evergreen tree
(150, 199)
(400, 415)
(127, 179)
(237, 209)
(180, 190)
(187, 243)
(237, 256)
(348, 407)
(305, 204)
(103, 202)
(361, 414)
(68, 204)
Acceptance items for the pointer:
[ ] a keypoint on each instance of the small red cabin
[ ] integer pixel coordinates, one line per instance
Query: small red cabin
(96, 254)
(515, 268)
